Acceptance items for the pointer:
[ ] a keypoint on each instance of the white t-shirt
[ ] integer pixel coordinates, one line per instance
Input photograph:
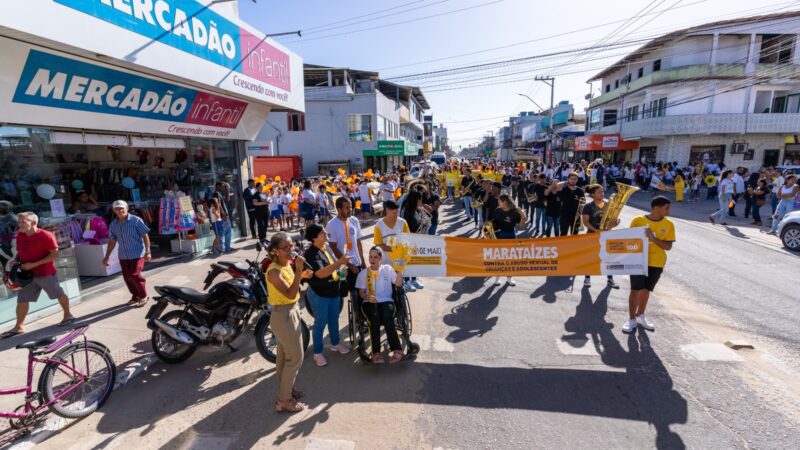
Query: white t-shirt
(287, 199)
(738, 181)
(309, 196)
(276, 202)
(382, 231)
(363, 193)
(336, 235)
(628, 173)
(726, 186)
(382, 285)
(776, 185)
(322, 200)
(387, 191)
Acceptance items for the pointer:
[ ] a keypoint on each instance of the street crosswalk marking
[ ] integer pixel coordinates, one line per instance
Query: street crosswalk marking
(438, 344)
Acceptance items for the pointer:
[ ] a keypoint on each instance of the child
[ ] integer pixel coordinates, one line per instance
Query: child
(696, 180)
(216, 223)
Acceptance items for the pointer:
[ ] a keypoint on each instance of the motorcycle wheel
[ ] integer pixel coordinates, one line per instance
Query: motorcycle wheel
(167, 349)
(267, 343)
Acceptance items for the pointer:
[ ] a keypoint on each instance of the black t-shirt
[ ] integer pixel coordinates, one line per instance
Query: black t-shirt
(595, 214)
(553, 207)
(324, 287)
(570, 199)
(466, 180)
(506, 180)
(522, 188)
(538, 189)
(430, 201)
(489, 207)
(261, 209)
(478, 194)
(505, 221)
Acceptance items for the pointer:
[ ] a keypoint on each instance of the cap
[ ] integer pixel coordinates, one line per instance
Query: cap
(119, 204)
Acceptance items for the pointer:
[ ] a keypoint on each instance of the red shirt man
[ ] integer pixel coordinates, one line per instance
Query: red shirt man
(36, 247)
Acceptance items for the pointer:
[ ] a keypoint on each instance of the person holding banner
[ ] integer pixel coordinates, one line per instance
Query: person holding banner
(505, 219)
(467, 187)
(375, 287)
(570, 195)
(661, 234)
(592, 216)
(390, 225)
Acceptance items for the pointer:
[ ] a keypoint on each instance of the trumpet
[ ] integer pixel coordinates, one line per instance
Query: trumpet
(488, 230)
(466, 189)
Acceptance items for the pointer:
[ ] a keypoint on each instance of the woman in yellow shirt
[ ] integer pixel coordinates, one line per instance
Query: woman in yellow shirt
(680, 185)
(283, 287)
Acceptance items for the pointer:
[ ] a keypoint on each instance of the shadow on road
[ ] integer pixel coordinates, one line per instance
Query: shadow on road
(552, 286)
(471, 318)
(467, 285)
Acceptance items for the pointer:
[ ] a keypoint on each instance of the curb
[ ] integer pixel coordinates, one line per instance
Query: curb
(54, 424)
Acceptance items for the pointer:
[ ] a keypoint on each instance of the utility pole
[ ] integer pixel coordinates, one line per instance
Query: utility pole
(550, 81)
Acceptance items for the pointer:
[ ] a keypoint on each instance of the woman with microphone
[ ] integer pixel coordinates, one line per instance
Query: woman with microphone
(283, 287)
(323, 291)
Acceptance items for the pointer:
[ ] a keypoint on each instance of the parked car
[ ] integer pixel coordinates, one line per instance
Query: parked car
(789, 231)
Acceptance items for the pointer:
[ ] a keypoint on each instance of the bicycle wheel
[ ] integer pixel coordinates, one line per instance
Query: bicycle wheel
(77, 397)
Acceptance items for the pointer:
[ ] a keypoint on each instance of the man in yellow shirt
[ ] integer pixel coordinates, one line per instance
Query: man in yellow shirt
(661, 234)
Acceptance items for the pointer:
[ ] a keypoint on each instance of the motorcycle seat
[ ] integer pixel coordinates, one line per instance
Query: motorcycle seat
(240, 266)
(38, 343)
(187, 294)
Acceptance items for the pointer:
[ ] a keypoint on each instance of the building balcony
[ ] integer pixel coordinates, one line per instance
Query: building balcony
(671, 75)
(693, 124)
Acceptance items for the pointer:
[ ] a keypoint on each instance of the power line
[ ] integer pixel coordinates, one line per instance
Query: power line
(378, 18)
(326, 25)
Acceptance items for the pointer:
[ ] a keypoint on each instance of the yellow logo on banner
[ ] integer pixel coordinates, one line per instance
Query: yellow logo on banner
(399, 254)
(618, 246)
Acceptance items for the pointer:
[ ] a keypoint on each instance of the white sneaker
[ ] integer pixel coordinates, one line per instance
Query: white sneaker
(497, 281)
(342, 348)
(630, 326)
(646, 324)
(320, 360)
(408, 287)
(511, 282)
(587, 282)
(417, 284)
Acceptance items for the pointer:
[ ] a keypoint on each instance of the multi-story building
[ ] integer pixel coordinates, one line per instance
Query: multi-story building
(353, 120)
(726, 91)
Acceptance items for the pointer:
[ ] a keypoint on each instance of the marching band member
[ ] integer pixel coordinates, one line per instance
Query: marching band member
(591, 217)
(505, 219)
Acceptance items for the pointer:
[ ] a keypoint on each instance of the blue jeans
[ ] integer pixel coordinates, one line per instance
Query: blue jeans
(724, 201)
(226, 235)
(432, 229)
(478, 215)
(540, 220)
(326, 313)
(551, 223)
(773, 200)
(451, 192)
(784, 207)
(467, 205)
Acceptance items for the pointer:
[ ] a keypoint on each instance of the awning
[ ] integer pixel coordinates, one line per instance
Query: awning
(603, 142)
(793, 139)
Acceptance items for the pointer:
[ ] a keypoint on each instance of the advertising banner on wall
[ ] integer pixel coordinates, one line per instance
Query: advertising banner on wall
(616, 252)
(45, 88)
(604, 142)
(186, 39)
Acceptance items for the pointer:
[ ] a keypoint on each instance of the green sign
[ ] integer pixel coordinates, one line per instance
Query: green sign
(394, 148)
(411, 149)
(383, 152)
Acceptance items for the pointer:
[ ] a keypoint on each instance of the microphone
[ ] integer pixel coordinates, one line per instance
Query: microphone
(296, 255)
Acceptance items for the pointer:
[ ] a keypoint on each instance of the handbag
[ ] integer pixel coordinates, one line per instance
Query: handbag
(760, 202)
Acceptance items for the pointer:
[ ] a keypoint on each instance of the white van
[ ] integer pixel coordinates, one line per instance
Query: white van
(439, 158)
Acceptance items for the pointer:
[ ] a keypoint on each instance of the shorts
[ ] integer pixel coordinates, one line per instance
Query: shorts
(275, 214)
(218, 227)
(49, 284)
(366, 207)
(649, 281)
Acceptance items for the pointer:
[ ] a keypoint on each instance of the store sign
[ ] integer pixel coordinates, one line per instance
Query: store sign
(603, 142)
(52, 89)
(184, 38)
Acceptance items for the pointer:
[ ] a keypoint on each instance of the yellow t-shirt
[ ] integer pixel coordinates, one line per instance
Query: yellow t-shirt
(664, 230)
(275, 296)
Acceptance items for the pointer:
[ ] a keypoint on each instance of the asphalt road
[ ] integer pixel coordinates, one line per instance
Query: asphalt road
(539, 365)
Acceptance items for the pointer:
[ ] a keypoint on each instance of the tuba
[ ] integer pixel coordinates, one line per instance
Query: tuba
(615, 204)
(488, 230)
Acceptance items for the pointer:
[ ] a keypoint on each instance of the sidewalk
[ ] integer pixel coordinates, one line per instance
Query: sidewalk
(120, 327)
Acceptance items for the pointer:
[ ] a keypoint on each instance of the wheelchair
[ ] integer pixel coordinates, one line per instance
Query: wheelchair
(359, 331)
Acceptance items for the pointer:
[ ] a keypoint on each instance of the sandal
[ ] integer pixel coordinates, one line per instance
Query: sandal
(297, 394)
(396, 357)
(376, 358)
(67, 321)
(10, 333)
(141, 302)
(293, 407)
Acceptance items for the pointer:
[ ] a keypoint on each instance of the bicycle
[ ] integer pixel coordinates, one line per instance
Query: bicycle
(75, 381)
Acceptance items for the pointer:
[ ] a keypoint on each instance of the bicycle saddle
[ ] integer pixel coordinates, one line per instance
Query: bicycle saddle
(36, 344)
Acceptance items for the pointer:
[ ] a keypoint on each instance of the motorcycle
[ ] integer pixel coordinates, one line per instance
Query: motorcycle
(217, 317)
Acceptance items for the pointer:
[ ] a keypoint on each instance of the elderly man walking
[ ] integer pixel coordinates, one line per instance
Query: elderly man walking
(37, 251)
(130, 232)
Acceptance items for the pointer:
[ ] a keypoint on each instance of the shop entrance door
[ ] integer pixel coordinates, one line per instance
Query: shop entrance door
(771, 157)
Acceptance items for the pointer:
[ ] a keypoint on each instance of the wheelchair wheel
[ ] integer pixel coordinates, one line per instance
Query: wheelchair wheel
(359, 332)
(403, 323)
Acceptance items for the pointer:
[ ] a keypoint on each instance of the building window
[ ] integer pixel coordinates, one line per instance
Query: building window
(656, 65)
(296, 122)
(632, 113)
(608, 88)
(776, 48)
(381, 128)
(616, 84)
(609, 117)
(779, 105)
(640, 73)
(658, 108)
(360, 127)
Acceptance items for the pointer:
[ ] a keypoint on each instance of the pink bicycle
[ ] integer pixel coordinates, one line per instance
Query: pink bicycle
(76, 380)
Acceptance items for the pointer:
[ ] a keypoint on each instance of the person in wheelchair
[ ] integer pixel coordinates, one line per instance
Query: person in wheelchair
(374, 285)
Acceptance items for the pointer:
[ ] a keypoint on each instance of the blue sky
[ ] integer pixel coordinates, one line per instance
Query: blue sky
(415, 36)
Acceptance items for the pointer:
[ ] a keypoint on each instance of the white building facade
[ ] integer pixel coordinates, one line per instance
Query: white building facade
(353, 120)
(727, 91)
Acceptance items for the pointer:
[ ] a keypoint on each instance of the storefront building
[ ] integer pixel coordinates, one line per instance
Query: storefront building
(148, 102)
(390, 154)
(610, 148)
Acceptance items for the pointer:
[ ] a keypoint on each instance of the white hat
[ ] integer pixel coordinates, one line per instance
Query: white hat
(120, 204)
